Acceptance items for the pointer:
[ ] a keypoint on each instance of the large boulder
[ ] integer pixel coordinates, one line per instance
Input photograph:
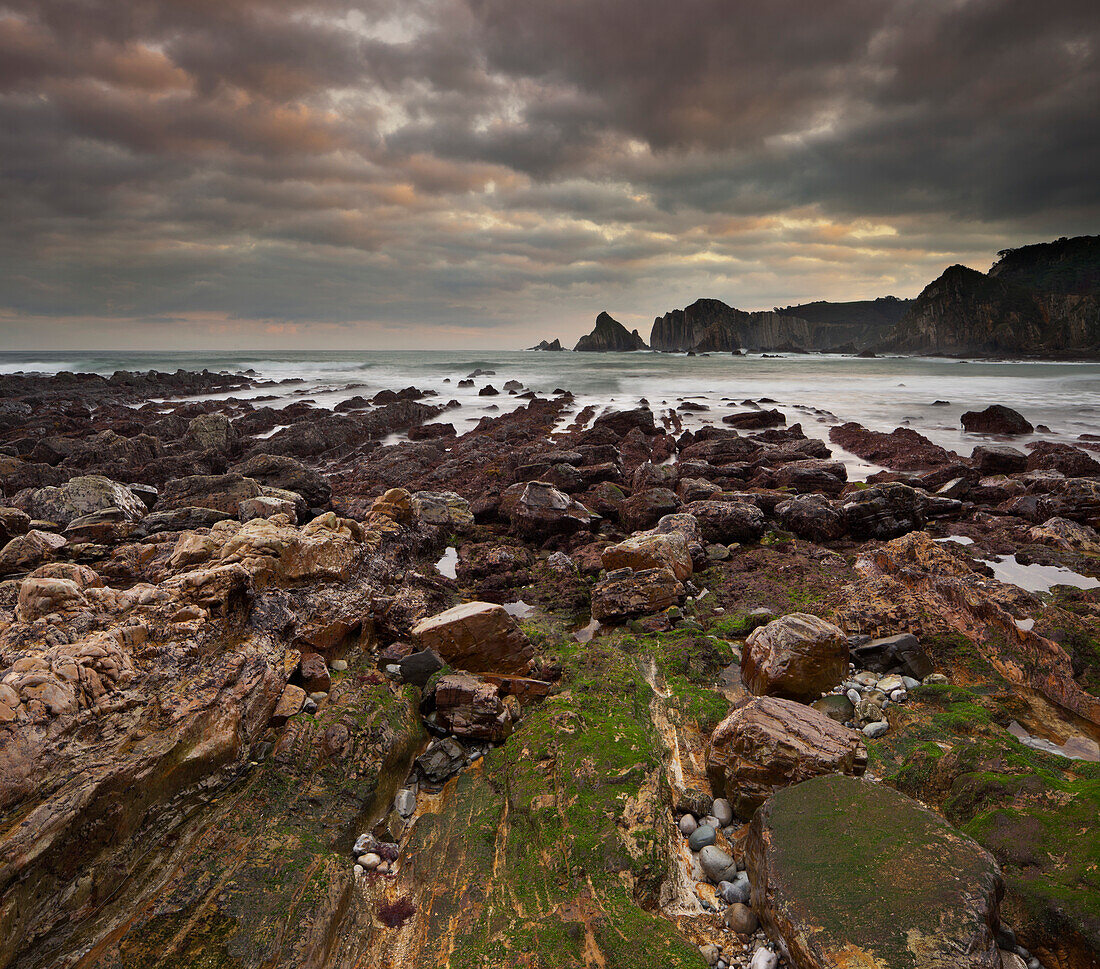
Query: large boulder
(851, 873)
(211, 432)
(219, 492)
(813, 475)
(281, 471)
(651, 551)
(996, 419)
(477, 636)
(769, 743)
(81, 496)
(537, 508)
(644, 509)
(624, 593)
(998, 459)
(25, 552)
(1062, 533)
(891, 509)
(727, 521)
(797, 656)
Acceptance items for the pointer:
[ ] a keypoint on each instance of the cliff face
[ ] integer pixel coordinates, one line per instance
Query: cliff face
(965, 311)
(711, 325)
(1066, 266)
(610, 334)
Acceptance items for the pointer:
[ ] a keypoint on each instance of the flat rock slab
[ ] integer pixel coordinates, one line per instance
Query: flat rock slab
(853, 875)
(477, 636)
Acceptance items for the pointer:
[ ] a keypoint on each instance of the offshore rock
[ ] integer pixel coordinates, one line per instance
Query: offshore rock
(610, 334)
(851, 873)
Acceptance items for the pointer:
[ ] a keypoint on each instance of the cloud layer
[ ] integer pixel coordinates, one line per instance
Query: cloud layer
(486, 172)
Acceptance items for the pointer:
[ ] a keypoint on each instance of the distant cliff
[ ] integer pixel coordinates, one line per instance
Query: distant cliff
(711, 325)
(610, 334)
(1008, 311)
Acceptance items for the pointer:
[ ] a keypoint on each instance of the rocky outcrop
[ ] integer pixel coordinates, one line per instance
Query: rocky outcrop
(554, 344)
(797, 656)
(850, 873)
(769, 743)
(610, 334)
(996, 419)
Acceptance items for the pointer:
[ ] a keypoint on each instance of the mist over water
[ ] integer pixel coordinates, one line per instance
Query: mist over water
(816, 390)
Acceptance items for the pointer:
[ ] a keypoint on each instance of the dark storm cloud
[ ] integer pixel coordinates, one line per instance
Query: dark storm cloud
(491, 163)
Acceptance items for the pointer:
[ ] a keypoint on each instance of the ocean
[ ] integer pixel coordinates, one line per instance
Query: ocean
(817, 390)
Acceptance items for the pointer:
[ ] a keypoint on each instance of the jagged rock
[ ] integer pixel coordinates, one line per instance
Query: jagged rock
(443, 508)
(727, 521)
(478, 636)
(41, 596)
(996, 419)
(442, 760)
(770, 743)
(891, 509)
(851, 873)
(80, 496)
(651, 551)
(538, 508)
(281, 471)
(13, 522)
(471, 709)
(903, 449)
(998, 459)
(1071, 461)
(798, 656)
(622, 422)
(812, 517)
(812, 475)
(313, 673)
(626, 593)
(220, 492)
(183, 519)
(610, 334)
(554, 344)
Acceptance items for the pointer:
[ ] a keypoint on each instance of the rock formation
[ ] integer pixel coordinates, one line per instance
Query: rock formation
(610, 334)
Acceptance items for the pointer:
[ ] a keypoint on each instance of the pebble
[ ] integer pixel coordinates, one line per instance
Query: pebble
(876, 729)
(318, 696)
(910, 683)
(934, 679)
(701, 837)
(310, 706)
(890, 683)
(359, 869)
(717, 864)
(370, 860)
(364, 843)
(764, 959)
(899, 696)
(688, 824)
(712, 822)
(710, 954)
(854, 697)
(739, 890)
(722, 810)
(340, 665)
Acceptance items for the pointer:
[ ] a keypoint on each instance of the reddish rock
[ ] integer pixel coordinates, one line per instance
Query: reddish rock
(477, 636)
(996, 419)
(626, 593)
(769, 743)
(798, 656)
(902, 449)
(471, 709)
(313, 671)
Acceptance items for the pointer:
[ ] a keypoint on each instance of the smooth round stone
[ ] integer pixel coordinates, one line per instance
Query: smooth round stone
(935, 679)
(741, 919)
(866, 679)
(898, 696)
(370, 860)
(359, 869)
(711, 822)
(340, 665)
(318, 696)
(688, 824)
(405, 802)
(838, 708)
(764, 959)
(717, 865)
(876, 729)
(874, 696)
(710, 953)
(722, 810)
(738, 890)
(890, 683)
(854, 697)
(701, 837)
(909, 683)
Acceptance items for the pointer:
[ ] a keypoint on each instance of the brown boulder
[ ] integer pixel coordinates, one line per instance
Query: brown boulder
(290, 703)
(471, 709)
(625, 593)
(478, 636)
(797, 656)
(313, 671)
(770, 743)
(221, 492)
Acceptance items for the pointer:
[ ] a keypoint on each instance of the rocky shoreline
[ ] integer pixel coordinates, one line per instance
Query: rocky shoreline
(276, 690)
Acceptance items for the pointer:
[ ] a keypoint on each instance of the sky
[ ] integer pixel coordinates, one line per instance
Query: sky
(486, 173)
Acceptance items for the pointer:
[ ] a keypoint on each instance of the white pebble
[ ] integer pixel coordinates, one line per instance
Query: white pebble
(370, 860)
(764, 959)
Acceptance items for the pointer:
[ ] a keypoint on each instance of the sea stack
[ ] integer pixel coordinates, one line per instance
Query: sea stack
(610, 334)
